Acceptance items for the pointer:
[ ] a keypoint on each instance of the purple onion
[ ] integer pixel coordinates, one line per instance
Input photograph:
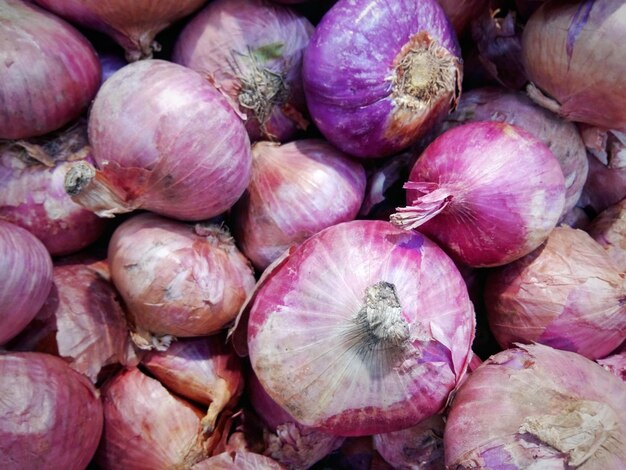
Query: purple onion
(238, 460)
(615, 363)
(604, 187)
(110, 64)
(609, 230)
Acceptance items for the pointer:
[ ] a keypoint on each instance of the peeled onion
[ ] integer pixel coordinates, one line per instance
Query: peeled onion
(609, 230)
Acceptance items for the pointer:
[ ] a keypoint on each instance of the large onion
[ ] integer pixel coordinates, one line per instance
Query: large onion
(609, 230)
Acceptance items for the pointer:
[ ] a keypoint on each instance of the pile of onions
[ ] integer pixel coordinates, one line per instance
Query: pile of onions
(252, 50)
(296, 190)
(609, 230)
(159, 133)
(488, 192)
(239, 460)
(33, 195)
(50, 415)
(537, 407)
(26, 269)
(178, 279)
(364, 328)
(133, 25)
(50, 73)
(377, 77)
(567, 294)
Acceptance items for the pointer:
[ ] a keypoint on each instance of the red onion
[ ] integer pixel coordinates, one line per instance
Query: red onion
(159, 132)
(377, 74)
(488, 192)
(608, 146)
(527, 7)
(204, 370)
(616, 362)
(537, 407)
(133, 25)
(32, 176)
(178, 279)
(252, 50)
(365, 328)
(49, 75)
(240, 460)
(609, 230)
(110, 64)
(573, 51)
(50, 415)
(461, 12)
(26, 269)
(297, 189)
(604, 186)
(577, 217)
(567, 294)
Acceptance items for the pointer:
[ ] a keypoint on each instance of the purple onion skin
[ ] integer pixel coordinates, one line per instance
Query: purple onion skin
(49, 74)
(110, 64)
(461, 12)
(347, 68)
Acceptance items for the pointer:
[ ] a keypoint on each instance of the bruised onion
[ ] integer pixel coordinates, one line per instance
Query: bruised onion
(239, 460)
(252, 50)
(378, 74)
(488, 192)
(364, 328)
(163, 140)
(609, 230)
(49, 73)
(567, 294)
(296, 190)
(50, 415)
(537, 407)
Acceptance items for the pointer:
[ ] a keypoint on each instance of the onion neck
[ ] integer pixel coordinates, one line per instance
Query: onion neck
(432, 199)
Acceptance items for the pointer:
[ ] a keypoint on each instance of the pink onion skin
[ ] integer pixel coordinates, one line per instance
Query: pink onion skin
(26, 269)
(573, 52)
(615, 363)
(50, 415)
(527, 407)
(252, 50)
(490, 193)
(312, 346)
(608, 146)
(239, 460)
(177, 279)
(159, 132)
(296, 190)
(43, 57)
(604, 186)
(461, 12)
(567, 294)
(609, 230)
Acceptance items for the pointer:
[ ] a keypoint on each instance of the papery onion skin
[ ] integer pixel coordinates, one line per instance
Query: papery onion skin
(537, 407)
(26, 272)
(50, 415)
(252, 50)
(296, 190)
(239, 460)
(573, 52)
(315, 352)
(609, 230)
(604, 186)
(615, 363)
(50, 72)
(110, 64)
(377, 78)
(567, 294)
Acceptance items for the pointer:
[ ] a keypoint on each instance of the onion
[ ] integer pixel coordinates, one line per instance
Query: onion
(204, 370)
(178, 279)
(32, 176)
(354, 334)
(377, 74)
(49, 75)
(252, 50)
(50, 415)
(110, 64)
(616, 362)
(240, 460)
(26, 269)
(159, 132)
(297, 189)
(604, 186)
(608, 146)
(577, 217)
(573, 51)
(609, 230)
(488, 192)
(133, 25)
(527, 7)
(537, 407)
(461, 12)
(567, 294)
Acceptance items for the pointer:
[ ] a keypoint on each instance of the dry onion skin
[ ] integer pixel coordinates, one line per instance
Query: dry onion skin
(609, 230)
(238, 460)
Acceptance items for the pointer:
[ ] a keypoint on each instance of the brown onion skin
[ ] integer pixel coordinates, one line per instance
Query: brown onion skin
(609, 230)
(50, 415)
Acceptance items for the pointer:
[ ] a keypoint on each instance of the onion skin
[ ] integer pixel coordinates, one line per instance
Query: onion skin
(609, 230)
(296, 190)
(239, 460)
(616, 362)
(26, 269)
(50, 415)
(608, 146)
(43, 57)
(252, 50)
(604, 186)
(363, 94)
(537, 407)
(567, 294)
(461, 12)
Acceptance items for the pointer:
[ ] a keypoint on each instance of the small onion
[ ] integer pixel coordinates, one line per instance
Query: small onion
(487, 191)
(252, 50)
(537, 407)
(49, 73)
(50, 415)
(239, 460)
(604, 186)
(297, 189)
(159, 133)
(364, 328)
(567, 294)
(26, 273)
(378, 74)
(609, 230)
